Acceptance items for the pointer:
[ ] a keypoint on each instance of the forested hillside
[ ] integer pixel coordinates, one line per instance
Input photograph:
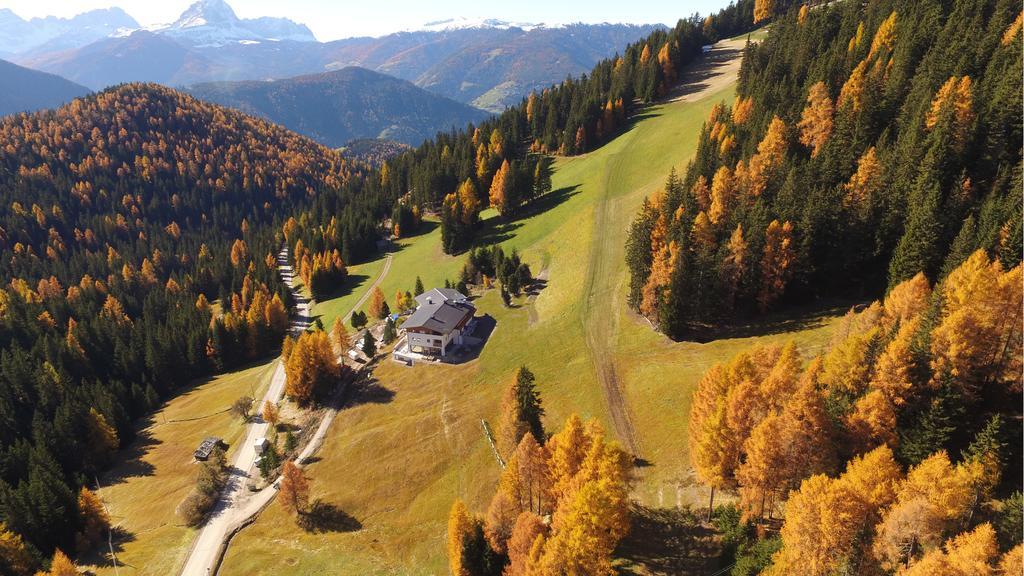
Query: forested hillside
(867, 143)
(127, 215)
(902, 437)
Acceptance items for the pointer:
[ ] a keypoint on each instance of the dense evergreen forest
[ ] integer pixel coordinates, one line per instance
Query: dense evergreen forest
(137, 238)
(868, 142)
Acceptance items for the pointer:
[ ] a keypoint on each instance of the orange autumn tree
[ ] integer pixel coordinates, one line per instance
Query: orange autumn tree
(339, 336)
(499, 191)
(777, 262)
(13, 555)
(825, 517)
(378, 304)
(978, 340)
(816, 121)
(94, 518)
(763, 10)
(311, 368)
(294, 491)
(578, 479)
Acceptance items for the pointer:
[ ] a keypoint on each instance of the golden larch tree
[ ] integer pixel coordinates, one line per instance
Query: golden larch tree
(853, 91)
(826, 517)
(269, 413)
(763, 10)
(776, 263)
(94, 519)
(968, 554)
(956, 99)
(13, 555)
(816, 121)
(294, 491)
(978, 338)
(339, 334)
(499, 188)
(723, 194)
(885, 36)
(377, 302)
(527, 529)
(61, 565)
(459, 526)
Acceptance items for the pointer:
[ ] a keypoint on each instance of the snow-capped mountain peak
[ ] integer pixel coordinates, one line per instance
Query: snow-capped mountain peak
(211, 23)
(463, 23)
(206, 12)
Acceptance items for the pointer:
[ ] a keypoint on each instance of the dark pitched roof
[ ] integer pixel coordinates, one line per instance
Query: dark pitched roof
(440, 317)
(438, 295)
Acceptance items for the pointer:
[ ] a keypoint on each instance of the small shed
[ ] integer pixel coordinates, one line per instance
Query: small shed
(206, 447)
(261, 444)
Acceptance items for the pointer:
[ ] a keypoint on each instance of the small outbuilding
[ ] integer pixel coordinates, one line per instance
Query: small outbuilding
(261, 445)
(206, 447)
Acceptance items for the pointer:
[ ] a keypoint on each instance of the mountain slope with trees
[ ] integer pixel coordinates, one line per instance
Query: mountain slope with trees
(129, 213)
(867, 144)
(25, 90)
(334, 108)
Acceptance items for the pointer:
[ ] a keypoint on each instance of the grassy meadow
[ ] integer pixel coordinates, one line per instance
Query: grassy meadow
(156, 472)
(397, 457)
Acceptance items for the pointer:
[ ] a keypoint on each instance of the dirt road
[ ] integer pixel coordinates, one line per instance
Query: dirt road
(234, 502)
(237, 508)
(712, 72)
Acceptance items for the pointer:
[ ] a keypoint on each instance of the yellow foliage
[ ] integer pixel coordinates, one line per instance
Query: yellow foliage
(763, 10)
(853, 91)
(776, 262)
(969, 554)
(858, 37)
(979, 337)
(723, 193)
(816, 121)
(742, 110)
(1013, 30)
(906, 301)
(825, 517)
(13, 555)
(885, 36)
(459, 525)
(955, 98)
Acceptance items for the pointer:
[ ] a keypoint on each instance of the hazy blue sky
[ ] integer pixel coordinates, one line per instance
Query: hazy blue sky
(333, 19)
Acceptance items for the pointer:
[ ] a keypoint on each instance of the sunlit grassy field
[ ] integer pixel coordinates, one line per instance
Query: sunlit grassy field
(396, 461)
(156, 472)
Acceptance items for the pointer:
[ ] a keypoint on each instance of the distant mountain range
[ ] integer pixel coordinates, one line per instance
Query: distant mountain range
(488, 63)
(25, 90)
(343, 105)
(52, 34)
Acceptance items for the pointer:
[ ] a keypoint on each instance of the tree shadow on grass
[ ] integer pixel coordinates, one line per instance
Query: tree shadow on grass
(666, 541)
(99, 555)
(368, 391)
(131, 460)
(352, 281)
(791, 319)
(326, 517)
(496, 229)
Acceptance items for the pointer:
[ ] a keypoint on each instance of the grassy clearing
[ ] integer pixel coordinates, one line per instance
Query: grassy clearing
(156, 472)
(396, 460)
(360, 277)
